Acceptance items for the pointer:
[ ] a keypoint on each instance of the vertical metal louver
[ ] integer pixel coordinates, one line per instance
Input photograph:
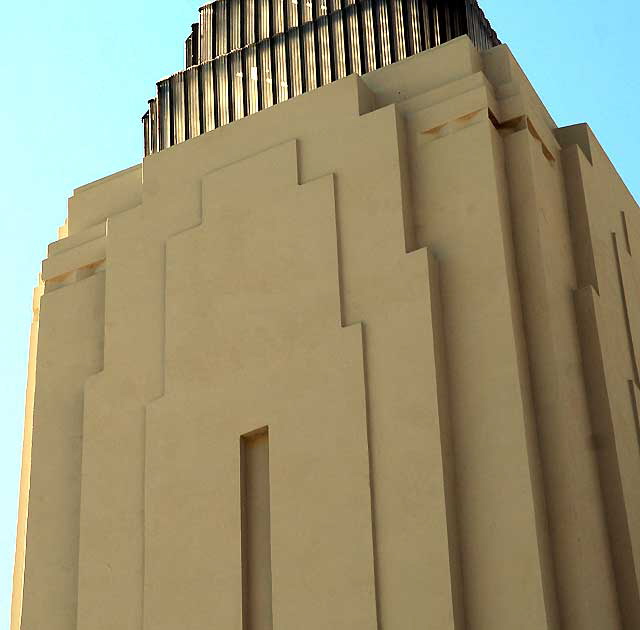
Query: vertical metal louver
(246, 55)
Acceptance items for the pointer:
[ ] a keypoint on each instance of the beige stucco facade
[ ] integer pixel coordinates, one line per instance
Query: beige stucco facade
(366, 360)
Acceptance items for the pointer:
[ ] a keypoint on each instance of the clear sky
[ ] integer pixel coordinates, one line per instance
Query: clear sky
(75, 79)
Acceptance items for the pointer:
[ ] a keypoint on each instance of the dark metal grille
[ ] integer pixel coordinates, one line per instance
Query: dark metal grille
(246, 55)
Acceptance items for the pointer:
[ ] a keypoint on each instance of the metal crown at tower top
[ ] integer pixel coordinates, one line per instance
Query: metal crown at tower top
(247, 55)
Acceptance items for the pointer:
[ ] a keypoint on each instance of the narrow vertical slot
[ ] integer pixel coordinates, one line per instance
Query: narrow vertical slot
(256, 531)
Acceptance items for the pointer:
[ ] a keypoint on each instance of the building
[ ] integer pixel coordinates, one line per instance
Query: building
(365, 359)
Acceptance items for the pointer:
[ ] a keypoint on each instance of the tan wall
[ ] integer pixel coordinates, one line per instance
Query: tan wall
(429, 295)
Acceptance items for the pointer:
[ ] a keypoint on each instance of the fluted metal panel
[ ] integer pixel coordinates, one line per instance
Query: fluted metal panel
(235, 24)
(294, 60)
(250, 61)
(307, 10)
(460, 19)
(265, 78)
(178, 122)
(336, 22)
(153, 125)
(293, 12)
(368, 36)
(278, 15)
(436, 26)
(206, 33)
(146, 130)
(280, 59)
(320, 7)
(483, 35)
(249, 22)
(428, 18)
(353, 43)
(188, 52)
(381, 20)
(263, 17)
(310, 57)
(397, 29)
(209, 93)
(219, 29)
(164, 114)
(222, 101)
(192, 88)
(192, 47)
(443, 21)
(471, 23)
(414, 31)
(195, 43)
(324, 52)
(237, 85)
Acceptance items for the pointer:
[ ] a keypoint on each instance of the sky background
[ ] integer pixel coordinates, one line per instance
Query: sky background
(75, 80)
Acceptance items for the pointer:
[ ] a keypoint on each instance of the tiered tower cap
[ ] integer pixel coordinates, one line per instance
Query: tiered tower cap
(246, 55)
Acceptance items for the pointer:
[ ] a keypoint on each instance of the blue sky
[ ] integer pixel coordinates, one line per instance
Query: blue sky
(76, 77)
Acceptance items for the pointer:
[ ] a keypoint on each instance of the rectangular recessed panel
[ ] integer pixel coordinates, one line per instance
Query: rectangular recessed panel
(256, 532)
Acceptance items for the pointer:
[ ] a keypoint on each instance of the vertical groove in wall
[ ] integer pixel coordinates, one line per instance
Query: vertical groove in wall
(446, 442)
(635, 404)
(603, 417)
(367, 402)
(256, 531)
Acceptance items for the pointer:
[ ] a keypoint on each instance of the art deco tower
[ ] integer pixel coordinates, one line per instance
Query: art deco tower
(356, 347)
